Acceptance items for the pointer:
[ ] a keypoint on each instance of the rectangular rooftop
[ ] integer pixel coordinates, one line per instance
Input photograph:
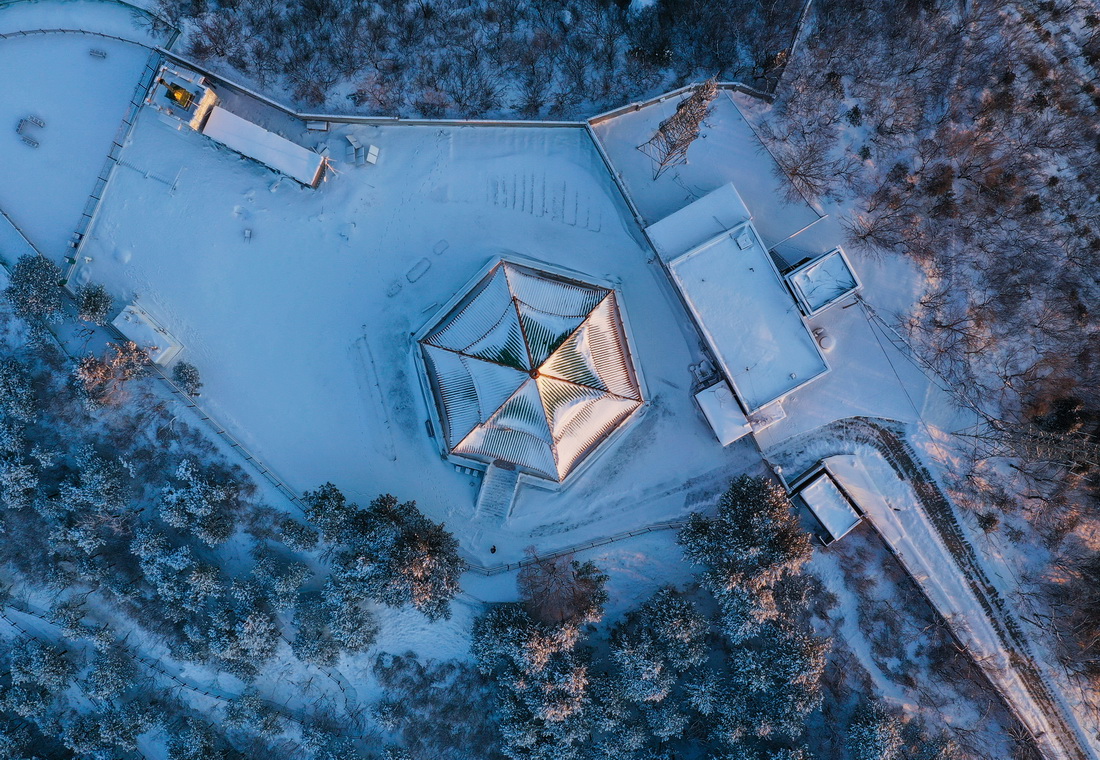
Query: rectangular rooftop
(747, 316)
(268, 148)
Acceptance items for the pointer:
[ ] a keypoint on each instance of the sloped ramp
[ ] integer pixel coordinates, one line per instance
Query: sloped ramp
(498, 491)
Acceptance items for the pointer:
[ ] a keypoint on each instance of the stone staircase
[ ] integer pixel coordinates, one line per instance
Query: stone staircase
(498, 490)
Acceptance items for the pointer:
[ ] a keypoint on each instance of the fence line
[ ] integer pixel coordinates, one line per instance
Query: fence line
(638, 105)
(91, 207)
(15, 605)
(22, 234)
(85, 32)
(509, 566)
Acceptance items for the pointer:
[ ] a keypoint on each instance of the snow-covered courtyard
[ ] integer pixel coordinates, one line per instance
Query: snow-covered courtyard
(299, 306)
(330, 322)
(81, 100)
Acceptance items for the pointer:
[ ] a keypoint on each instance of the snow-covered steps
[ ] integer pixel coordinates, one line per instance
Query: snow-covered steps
(498, 490)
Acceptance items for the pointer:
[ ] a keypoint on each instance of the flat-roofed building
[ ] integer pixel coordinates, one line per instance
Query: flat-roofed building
(737, 297)
(141, 328)
(253, 141)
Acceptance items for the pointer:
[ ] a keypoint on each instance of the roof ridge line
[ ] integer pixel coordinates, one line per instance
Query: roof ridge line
(589, 387)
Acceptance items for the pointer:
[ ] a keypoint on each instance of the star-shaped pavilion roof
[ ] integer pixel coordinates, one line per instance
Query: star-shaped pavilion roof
(531, 368)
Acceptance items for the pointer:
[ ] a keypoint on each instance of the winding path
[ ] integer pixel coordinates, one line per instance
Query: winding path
(926, 536)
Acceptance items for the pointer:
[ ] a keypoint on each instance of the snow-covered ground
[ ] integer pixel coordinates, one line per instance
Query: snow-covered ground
(868, 374)
(303, 333)
(299, 306)
(727, 150)
(94, 17)
(82, 100)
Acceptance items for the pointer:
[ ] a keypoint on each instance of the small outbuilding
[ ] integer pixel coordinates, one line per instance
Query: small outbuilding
(723, 413)
(822, 282)
(253, 141)
(828, 503)
(137, 325)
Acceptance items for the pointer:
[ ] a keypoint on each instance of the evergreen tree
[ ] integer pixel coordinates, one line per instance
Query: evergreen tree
(655, 644)
(201, 501)
(241, 633)
(330, 511)
(195, 740)
(18, 476)
(16, 393)
(296, 536)
(17, 741)
(313, 643)
(323, 745)
(34, 289)
(393, 554)
(186, 376)
(753, 542)
(93, 303)
(39, 672)
(181, 585)
(106, 733)
(938, 748)
(112, 673)
(874, 734)
(329, 623)
(774, 683)
(250, 712)
(280, 579)
(544, 683)
(92, 506)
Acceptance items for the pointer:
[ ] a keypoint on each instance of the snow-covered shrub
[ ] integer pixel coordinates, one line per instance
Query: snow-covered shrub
(93, 303)
(186, 376)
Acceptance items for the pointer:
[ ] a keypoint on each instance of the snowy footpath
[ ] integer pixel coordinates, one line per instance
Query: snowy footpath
(902, 501)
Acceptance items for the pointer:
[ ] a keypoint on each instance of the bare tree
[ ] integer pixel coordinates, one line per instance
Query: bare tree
(561, 590)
